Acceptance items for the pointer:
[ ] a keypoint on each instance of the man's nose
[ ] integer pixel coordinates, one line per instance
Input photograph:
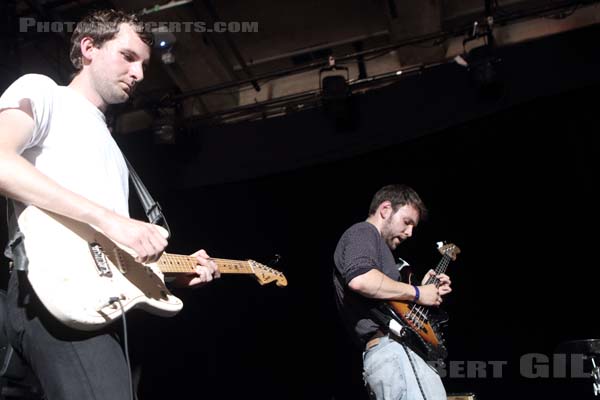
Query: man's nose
(137, 72)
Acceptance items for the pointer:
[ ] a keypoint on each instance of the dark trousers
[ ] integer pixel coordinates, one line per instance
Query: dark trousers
(70, 364)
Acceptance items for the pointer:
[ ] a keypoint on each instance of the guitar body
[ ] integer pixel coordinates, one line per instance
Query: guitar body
(422, 326)
(419, 324)
(78, 273)
(424, 323)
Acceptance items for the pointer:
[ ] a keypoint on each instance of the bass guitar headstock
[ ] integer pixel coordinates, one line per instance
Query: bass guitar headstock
(448, 249)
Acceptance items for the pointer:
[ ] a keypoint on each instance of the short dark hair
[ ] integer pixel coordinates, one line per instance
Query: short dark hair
(399, 195)
(102, 26)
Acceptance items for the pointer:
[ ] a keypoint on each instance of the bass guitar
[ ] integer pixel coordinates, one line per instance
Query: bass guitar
(424, 322)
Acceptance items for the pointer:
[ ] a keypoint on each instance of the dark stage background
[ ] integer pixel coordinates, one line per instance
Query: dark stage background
(509, 176)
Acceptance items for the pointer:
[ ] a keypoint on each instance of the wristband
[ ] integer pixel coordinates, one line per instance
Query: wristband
(416, 293)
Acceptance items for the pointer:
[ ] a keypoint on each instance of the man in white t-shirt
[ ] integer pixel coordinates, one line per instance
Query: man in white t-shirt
(57, 154)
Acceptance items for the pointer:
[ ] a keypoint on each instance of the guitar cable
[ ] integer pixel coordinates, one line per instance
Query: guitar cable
(386, 321)
(125, 344)
(412, 364)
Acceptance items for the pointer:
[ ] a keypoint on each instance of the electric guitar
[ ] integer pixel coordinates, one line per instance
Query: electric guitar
(424, 322)
(87, 281)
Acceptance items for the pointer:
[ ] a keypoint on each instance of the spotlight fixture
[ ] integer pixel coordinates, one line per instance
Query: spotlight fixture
(338, 104)
(482, 59)
(167, 57)
(164, 41)
(334, 86)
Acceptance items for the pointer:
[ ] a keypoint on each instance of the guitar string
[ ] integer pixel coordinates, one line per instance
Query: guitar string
(229, 261)
(439, 270)
(183, 256)
(190, 261)
(423, 313)
(250, 264)
(223, 260)
(442, 268)
(415, 308)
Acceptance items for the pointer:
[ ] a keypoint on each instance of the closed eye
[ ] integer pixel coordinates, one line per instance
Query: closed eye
(128, 57)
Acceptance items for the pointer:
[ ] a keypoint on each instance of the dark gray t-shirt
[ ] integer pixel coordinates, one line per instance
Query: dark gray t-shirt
(360, 249)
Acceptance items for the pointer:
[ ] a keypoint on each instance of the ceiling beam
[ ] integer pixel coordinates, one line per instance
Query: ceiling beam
(214, 17)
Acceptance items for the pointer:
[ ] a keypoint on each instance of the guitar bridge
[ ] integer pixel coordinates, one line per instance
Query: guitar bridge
(100, 260)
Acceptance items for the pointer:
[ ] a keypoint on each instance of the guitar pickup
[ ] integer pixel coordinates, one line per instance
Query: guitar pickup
(100, 260)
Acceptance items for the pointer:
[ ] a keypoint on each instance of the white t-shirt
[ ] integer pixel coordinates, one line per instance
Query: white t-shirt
(71, 143)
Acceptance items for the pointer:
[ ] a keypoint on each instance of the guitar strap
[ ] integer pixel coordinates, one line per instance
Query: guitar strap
(151, 208)
(15, 250)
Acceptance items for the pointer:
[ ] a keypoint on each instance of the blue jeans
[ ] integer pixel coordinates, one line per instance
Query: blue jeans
(389, 374)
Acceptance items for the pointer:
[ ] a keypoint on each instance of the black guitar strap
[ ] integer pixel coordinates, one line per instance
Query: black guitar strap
(151, 208)
(15, 250)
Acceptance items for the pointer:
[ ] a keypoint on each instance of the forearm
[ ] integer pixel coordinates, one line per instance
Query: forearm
(376, 285)
(23, 182)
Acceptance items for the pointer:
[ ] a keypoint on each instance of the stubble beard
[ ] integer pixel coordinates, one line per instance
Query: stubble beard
(113, 94)
(388, 237)
(109, 90)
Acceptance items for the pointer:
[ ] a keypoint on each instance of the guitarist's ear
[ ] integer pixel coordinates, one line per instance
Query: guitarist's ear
(385, 210)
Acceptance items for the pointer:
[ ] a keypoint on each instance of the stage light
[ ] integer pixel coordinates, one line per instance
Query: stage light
(336, 96)
(163, 38)
(482, 62)
(167, 57)
(164, 41)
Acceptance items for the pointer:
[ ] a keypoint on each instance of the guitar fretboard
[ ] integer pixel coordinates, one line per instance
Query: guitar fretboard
(175, 263)
(440, 269)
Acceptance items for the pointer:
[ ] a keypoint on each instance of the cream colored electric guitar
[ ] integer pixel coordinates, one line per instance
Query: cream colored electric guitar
(86, 281)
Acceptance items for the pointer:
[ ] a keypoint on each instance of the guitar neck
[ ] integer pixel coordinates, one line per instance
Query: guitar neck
(440, 269)
(180, 264)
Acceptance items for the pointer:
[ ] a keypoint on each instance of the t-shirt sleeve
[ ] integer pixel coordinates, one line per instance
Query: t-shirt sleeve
(359, 254)
(37, 89)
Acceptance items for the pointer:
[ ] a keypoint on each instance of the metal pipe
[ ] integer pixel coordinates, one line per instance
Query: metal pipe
(159, 7)
(234, 49)
(302, 68)
(311, 96)
(442, 35)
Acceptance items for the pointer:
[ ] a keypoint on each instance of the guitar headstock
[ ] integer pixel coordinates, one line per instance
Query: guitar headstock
(266, 274)
(450, 249)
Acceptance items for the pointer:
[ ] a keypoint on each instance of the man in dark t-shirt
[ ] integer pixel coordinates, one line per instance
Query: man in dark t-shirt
(365, 273)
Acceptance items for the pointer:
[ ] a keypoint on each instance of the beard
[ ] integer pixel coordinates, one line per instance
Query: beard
(112, 93)
(388, 236)
(108, 88)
